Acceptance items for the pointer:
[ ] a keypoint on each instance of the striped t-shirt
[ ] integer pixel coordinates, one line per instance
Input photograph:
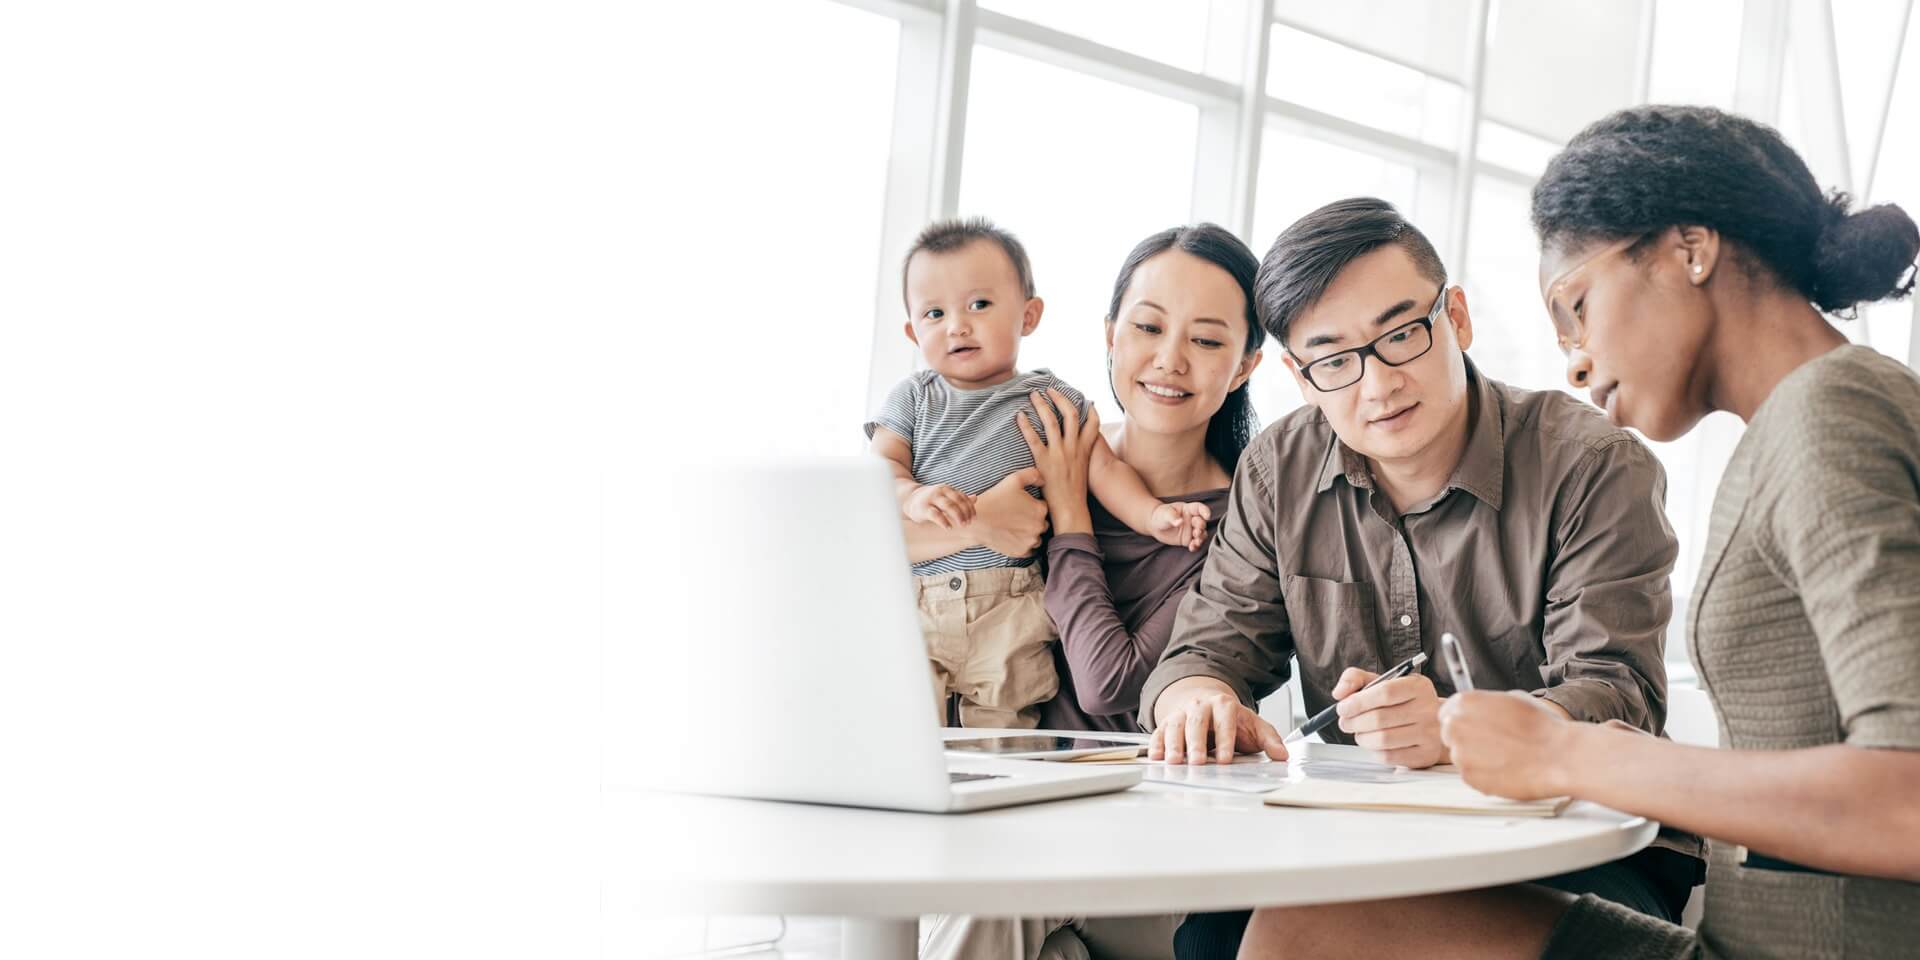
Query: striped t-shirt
(968, 440)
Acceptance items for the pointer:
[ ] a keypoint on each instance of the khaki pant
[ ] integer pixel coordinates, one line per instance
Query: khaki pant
(956, 937)
(987, 633)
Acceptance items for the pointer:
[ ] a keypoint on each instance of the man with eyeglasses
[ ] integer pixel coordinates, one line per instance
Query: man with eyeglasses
(1415, 496)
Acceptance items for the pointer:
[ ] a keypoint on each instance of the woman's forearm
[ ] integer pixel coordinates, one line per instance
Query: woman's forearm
(1109, 663)
(1841, 808)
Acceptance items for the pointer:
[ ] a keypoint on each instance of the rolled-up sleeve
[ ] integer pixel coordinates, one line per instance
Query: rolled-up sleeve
(1233, 626)
(1608, 593)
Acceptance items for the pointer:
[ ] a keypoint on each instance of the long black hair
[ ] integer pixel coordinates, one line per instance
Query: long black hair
(1643, 169)
(1234, 424)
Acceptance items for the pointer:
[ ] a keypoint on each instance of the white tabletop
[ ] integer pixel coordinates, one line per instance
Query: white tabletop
(1153, 848)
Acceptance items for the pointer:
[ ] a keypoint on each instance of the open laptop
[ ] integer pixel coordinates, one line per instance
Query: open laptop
(806, 637)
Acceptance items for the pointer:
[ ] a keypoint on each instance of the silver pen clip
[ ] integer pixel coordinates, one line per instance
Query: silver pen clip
(1456, 662)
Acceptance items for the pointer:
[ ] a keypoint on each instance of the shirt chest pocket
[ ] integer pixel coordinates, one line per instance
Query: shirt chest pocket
(1333, 629)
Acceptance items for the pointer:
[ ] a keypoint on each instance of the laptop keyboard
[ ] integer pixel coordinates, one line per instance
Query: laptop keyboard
(956, 777)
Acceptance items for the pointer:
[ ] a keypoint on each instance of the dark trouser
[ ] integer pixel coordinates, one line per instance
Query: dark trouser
(1656, 881)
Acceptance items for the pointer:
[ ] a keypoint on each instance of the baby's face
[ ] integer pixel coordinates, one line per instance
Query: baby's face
(967, 312)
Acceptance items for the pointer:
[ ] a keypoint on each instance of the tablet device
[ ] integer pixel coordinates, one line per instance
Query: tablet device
(1044, 746)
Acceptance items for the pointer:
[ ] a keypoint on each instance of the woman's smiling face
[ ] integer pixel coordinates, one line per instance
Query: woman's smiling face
(1178, 343)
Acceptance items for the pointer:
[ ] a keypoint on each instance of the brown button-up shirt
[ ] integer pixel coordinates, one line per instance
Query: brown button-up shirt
(1546, 554)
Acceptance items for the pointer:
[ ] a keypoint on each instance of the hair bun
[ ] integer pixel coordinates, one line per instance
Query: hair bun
(1864, 256)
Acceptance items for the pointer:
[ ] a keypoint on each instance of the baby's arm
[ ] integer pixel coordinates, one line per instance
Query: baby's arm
(1121, 491)
(935, 503)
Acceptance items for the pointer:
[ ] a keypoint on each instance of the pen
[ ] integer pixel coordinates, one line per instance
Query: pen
(1456, 662)
(1324, 717)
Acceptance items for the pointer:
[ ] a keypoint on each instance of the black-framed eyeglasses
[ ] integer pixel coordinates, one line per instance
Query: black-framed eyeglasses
(1401, 345)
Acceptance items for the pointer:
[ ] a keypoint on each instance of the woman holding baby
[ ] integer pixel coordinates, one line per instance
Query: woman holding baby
(1181, 342)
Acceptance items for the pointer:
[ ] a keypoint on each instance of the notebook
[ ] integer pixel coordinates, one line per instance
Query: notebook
(1421, 792)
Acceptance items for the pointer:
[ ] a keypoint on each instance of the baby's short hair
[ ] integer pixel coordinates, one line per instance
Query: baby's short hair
(941, 236)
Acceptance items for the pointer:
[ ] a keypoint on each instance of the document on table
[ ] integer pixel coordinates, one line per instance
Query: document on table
(1254, 774)
(1423, 792)
(1339, 761)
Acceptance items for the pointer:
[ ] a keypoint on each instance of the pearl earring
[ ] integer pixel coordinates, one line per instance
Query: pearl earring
(1696, 269)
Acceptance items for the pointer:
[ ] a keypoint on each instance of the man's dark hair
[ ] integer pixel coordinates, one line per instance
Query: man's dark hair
(1235, 423)
(942, 236)
(1306, 257)
(1641, 170)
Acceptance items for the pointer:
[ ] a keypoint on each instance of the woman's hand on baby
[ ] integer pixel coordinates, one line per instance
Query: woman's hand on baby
(1007, 519)
(1181, 524)
(939, 504)
(1062, 457)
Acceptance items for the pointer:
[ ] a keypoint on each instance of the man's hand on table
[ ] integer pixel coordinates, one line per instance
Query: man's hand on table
(1200, 720)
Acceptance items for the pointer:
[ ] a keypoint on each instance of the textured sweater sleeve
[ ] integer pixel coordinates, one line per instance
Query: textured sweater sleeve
(1840, 502)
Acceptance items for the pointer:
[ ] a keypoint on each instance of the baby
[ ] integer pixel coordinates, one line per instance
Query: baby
(950, 433)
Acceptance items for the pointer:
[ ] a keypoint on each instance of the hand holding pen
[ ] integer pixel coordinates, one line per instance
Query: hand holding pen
(1397, 717)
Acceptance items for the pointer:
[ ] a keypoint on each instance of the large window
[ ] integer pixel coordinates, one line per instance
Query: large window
(1298, 174)
(1085, 125)
(1896, 179)
(1081, 170)
(1173, 33)
(1370, 90)
(1512, 340)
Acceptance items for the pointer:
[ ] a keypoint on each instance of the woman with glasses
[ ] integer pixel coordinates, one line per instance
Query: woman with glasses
(1690, 264)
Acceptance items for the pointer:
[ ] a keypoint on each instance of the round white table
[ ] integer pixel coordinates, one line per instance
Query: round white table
(1151, 849)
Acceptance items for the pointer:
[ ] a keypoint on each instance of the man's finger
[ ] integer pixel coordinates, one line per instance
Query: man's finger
(1360, 701)
(1224, 727)
(1175, 730)
(1390, 694)
(1380, 718)
(1269, 738)
(1351, 679)
(1406, 757)
(1157, 744)
(1393, 738)
(1197, 736)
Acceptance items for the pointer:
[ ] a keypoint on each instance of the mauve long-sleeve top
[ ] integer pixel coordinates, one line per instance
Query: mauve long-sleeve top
(1113, 595)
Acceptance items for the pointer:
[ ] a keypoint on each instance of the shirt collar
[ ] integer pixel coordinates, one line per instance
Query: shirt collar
(1482, 469)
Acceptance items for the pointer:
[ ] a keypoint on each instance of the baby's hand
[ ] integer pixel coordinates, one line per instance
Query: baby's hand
(939, 504)
(1181, 524)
